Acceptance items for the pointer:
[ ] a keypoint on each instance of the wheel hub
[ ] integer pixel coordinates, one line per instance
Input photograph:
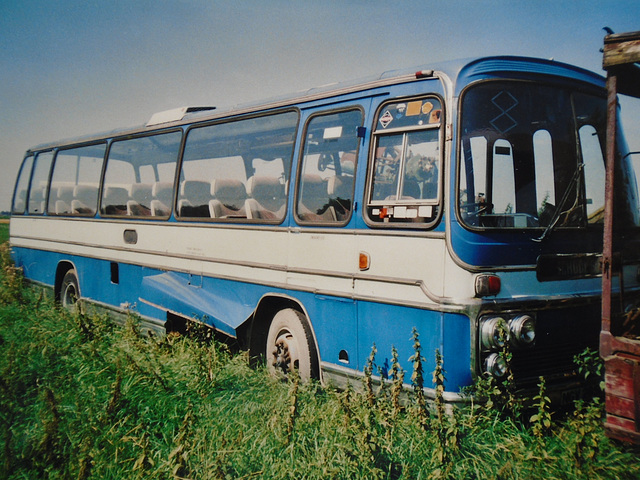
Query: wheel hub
(284, 359)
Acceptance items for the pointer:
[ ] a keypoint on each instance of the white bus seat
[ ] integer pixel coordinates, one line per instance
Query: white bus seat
(266, 198)
(85, 199)
(64, 197)
(313, 203)
(140, 199)
(348, 163)
(194, 198)
(37, 200)
(340, 190)
(229, 196)
(114, 200)
(162, 193)
(20, 202)
(410, 189)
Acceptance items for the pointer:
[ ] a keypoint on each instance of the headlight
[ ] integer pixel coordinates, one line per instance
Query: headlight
(522, 330)
(493, 333)
(495, 365)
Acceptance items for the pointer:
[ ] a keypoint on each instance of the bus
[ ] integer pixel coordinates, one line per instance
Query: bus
(462, 201)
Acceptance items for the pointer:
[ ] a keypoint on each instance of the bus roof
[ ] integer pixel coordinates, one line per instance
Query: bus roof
(461, 72)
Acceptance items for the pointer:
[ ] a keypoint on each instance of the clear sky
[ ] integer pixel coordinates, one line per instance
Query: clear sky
(75, 67)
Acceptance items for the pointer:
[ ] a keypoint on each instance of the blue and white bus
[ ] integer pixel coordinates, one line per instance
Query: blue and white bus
(453, 200)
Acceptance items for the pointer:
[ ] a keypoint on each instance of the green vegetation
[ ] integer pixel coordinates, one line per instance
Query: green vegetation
(83, 398)
(4, 232)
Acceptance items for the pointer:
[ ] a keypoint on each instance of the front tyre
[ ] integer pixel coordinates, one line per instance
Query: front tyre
(291, 346)
(70, 291)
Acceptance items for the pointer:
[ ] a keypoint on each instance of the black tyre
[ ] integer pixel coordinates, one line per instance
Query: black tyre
(291, 346)
(70, 291)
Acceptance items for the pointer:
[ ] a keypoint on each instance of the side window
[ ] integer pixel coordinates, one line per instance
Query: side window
(404, 179)
(594, 173)
(238, 170)
(75, 181)
(139, 177)
(19, 204)
(326, 182)
(544, 175)
(39, 181)
(503, 179)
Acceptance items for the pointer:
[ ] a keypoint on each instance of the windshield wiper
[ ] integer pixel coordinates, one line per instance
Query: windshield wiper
(558, 211)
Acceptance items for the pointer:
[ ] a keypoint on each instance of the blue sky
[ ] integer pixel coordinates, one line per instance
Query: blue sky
(70, 68)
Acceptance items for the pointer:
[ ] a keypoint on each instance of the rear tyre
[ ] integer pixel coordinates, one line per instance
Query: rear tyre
(70, 291)
(291, 346)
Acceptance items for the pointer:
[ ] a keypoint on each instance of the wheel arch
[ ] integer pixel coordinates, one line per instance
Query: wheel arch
(61, 270)
(254, 332)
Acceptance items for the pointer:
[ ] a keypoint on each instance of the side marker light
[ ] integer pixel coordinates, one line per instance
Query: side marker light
(364, 261)
(487, 285)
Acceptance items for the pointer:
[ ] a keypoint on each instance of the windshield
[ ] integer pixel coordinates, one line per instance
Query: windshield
(531, 157)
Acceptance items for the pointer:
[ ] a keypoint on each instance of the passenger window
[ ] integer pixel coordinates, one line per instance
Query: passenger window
(75, 180)
(404, 180)
(326, 183)
(39, 182)
(19, 205)
(139, 176)
(238, 170)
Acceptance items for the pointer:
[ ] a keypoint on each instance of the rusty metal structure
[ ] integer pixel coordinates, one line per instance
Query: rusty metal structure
(620, 334)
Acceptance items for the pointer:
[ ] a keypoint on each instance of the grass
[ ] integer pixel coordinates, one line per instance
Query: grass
(82, 398)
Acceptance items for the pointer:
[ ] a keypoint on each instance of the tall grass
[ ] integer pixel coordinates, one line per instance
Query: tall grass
(81, 398)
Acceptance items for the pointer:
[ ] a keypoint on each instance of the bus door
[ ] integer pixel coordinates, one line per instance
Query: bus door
(322, 252)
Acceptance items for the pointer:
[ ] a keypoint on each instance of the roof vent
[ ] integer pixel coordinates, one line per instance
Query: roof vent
(174, 114)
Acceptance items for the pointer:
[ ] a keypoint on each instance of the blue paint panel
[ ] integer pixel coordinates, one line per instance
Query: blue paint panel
(456, 351)
(339, 324)
(335, 326)
(36, 265)
(524, 67)
(391, 326)
(490, 248)
(221, 303)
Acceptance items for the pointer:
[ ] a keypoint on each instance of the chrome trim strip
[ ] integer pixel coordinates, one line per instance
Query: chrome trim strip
(343, 376)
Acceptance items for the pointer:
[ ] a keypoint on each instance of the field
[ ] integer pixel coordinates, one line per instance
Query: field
(83, 398)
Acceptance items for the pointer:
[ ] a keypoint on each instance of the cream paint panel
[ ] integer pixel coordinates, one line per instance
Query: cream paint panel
(402, 268)
(458, 282)
(257, 256)
(322, 260)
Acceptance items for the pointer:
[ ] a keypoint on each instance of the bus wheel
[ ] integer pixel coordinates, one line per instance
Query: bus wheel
(70, 291)
(290, 345)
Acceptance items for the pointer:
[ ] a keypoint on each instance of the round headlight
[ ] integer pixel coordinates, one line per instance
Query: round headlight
(495, 365)
(523, 330)
(493, 333)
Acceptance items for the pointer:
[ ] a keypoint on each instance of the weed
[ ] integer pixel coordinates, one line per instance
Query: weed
(397, 383)
(12, 284)
(293, 405)
(541, 420)
(417, 380)
(446, 428)
(585, 424)
(368, 380)
(179, 456)
(591, 367)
